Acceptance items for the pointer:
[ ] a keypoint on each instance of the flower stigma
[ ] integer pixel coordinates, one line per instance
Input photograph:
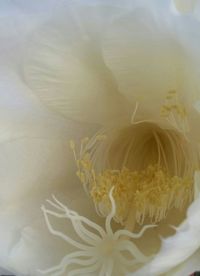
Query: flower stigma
(101, 251)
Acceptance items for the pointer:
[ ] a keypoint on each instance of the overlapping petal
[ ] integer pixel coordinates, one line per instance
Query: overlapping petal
(65, 66)
(90, 62)
(149, 53)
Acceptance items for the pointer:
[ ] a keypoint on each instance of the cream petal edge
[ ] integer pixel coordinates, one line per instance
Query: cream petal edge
(186, 268)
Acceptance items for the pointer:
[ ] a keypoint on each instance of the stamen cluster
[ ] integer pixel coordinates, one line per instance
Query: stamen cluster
(150, 192)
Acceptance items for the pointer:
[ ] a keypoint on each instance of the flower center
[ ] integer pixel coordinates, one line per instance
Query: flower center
(151, 169)
(107, 247)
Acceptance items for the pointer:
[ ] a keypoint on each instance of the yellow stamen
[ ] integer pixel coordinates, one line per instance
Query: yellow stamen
(175, 113)
(148, 193)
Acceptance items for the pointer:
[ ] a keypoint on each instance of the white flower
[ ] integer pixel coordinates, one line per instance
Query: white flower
(125, 74)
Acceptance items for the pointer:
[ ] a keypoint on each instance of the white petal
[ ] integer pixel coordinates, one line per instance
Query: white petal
(142, 56)
(32, 166)
(188, 267)
(38, 163)
(66, 70)
(21, 114)
(148, 58)
(18, 19)
(187, 33)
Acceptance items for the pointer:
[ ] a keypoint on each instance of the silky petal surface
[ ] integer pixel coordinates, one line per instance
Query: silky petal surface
(64, 66)
(188, 267)
(149, 53)
(21, 114)
(20, 17)
(143, 56)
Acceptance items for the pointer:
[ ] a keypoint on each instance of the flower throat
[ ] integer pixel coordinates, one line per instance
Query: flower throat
(150, 168)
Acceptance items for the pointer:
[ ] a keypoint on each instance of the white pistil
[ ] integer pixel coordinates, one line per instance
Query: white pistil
(101, 251)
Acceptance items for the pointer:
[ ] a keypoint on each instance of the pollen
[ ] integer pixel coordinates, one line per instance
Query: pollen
(139, 194)
(175, 112)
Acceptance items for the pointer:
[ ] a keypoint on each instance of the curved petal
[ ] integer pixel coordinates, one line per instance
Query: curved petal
(18, 20)
(148, 54)
(65, 68)
(21, 115)
(144, 56)
(188, 267)
(39, 158)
